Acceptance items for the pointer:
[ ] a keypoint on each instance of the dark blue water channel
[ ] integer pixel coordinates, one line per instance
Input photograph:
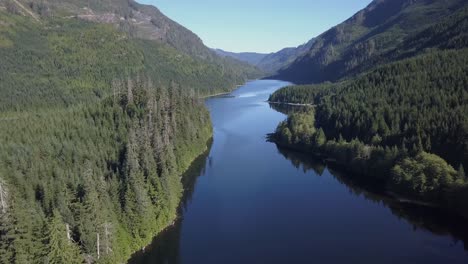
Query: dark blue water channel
(248, 201)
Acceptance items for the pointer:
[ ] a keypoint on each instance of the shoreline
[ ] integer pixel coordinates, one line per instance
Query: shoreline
(171, 223)
(292, 104)
(214, 95)
(177, 216)
(396, 197)
(237, 86)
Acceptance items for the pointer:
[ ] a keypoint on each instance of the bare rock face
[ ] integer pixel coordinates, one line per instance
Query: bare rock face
(140, 21)
(90, 15)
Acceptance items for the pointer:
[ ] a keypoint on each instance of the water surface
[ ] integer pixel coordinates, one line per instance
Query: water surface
(249, 202)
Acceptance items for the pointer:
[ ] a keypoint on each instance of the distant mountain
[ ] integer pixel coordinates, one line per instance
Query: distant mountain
(272, 62)
(249, 57)
(384, 31)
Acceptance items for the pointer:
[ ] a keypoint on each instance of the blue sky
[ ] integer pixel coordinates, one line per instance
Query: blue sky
(257, 25)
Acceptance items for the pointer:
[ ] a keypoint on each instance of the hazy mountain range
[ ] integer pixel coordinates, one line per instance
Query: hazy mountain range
(272, 62)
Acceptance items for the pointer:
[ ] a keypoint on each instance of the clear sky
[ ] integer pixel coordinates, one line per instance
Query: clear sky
(257, 25)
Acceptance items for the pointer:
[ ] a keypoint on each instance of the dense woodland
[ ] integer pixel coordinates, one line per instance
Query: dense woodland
(96, 129)
(402, 123)
(111, 169)
(97, 123)
(401, 172)
(384, 125)
(68, 61)
(416, 104)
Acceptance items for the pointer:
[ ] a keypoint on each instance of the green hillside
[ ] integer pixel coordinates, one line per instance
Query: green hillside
(96, 128)
(64, 61)
(274, 62)
(402, 121)
(384, 31)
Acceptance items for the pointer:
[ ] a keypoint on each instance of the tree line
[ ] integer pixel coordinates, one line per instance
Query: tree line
(403, 124)
(96, 129)
(96, 181)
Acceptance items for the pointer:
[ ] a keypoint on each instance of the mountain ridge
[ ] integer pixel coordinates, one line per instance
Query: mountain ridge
(252, 58)
(270, 63)
(137, 20)
(389, 89)
(371, 32)
(275, 61)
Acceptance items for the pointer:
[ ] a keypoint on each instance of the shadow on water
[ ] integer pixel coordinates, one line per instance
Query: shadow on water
(288, 109)
(435, 220)
(165, 246)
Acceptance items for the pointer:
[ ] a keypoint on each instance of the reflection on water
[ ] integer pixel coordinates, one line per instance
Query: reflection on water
(196, 169)
(303, 161)
(166, 246)
(434, 220)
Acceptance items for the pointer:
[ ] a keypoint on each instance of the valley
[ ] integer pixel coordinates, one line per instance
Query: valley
(119, 126)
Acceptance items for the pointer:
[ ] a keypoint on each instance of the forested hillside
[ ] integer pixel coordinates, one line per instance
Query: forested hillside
(77, 61)
(403, 121)
(96, 128)
(138, 21)
(403, 104)
(385, 31)
(96, 177)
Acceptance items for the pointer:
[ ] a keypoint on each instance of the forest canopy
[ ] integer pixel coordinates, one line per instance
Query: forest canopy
(96, 129)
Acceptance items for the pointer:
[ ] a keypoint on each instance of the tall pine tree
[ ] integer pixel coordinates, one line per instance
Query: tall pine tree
(59, 247)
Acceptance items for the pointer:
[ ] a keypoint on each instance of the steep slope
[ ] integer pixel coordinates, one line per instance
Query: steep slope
(384, 26)
(139, 21)
(273, 62)
(142, 21)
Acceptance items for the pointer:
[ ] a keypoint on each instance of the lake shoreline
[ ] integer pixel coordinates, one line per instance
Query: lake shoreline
(246, 188)
(237, 86)
(177, 216)
(292, 104)
(214, 95)
(397, 197)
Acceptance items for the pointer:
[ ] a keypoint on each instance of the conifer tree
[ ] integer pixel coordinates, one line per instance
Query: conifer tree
(461, 172)
(60, 249)
(6, 238)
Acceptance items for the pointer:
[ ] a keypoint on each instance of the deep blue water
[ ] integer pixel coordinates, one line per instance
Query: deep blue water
(249, 202)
